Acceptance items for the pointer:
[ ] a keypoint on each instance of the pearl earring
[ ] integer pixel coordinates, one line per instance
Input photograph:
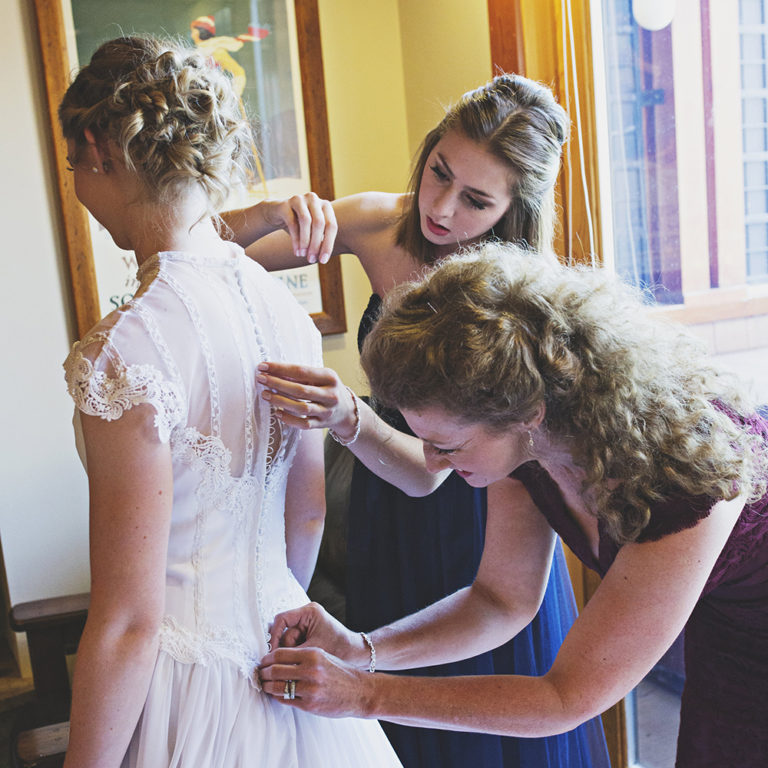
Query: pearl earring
(94, 169)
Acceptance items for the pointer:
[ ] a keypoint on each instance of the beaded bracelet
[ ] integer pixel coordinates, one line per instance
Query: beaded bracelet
(369, 643)
(356, 433)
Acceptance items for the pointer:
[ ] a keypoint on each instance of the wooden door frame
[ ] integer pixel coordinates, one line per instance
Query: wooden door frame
(540, 24)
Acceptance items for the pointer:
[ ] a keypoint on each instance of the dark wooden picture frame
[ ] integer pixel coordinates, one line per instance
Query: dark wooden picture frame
(74, 218)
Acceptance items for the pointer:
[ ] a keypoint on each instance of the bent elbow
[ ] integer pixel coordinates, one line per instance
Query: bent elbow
(528, 612)
(135, 616)
(313, 517)
(314, 525)
(574, 705)
(418, 491)
(424, 484)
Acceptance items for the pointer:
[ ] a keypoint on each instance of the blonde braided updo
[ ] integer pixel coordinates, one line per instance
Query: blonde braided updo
(172, 116)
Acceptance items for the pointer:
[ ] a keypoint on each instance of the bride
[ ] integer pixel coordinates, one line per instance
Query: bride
(205, 512)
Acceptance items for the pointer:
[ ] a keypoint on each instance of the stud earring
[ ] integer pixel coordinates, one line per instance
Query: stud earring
(94, 169)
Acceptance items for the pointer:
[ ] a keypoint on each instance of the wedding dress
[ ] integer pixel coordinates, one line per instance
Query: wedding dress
(188, 345)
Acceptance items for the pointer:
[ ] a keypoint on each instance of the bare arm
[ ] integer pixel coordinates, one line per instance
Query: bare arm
(518, 551)
(304, 226)
(640, 607)
(362, 222)
(131, 493)
(305, 507)
(313, 398)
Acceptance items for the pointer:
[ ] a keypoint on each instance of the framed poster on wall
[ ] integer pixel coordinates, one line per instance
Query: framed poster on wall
(271, 50)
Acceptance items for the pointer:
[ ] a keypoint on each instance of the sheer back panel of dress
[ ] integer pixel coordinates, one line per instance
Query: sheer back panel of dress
(189, 344)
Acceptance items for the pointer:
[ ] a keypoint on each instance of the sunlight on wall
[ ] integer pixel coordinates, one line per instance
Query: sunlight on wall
(390, 68)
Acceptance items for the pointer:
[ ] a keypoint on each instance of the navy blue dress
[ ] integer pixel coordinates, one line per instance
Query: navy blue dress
(405, 553)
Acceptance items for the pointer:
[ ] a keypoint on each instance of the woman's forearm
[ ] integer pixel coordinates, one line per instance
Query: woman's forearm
(315, 398)
(305, 507)
(309, 236)
(249, 224)
(112, 676)
(457, 627)
(508, 705)
(393, 456)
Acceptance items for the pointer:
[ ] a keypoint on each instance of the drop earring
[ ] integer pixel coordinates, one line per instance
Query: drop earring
(530, 440)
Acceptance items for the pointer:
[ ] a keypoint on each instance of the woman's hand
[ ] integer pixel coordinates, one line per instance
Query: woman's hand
(322, 683)
(309, 398)
(309, 220)
(313, 625)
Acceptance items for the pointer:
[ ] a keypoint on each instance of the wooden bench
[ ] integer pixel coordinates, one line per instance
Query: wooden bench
(53, 628)
(42, 747)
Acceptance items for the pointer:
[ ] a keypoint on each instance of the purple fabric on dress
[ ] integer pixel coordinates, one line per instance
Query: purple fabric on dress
(724, 715)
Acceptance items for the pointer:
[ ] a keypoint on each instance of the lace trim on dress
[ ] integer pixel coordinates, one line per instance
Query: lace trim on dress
(205, 347)
(217, 486)
(150, 323)
(241, 497)
(97, 394)
(189, 445)
(208, 646)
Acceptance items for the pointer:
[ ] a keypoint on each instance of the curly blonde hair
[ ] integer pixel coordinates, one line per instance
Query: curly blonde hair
(173, 117)
(492, 333)
(518, 121)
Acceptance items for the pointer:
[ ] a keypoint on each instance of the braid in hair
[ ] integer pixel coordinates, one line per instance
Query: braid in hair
(174, 118)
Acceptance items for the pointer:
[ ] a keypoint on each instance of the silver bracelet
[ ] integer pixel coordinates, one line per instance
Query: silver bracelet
(369, 643)
(356, 433)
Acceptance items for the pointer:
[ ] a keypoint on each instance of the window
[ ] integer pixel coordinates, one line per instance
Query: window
(667, 173)
(685, 156)
(754, 97)
(685, 203)
(640, 102)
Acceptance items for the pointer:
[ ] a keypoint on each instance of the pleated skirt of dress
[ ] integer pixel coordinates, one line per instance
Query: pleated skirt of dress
(210, 716)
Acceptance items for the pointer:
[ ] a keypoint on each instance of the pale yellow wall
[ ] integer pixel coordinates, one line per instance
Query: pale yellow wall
(391, 67)
(367, 120)
(374, 107)
(446, 52)
(43, 496)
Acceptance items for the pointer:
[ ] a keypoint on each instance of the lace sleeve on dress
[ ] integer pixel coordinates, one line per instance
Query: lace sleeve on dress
(109, 395)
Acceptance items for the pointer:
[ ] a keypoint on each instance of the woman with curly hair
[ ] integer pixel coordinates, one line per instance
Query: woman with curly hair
(486, 171)
(620, 437)
(205, 511)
